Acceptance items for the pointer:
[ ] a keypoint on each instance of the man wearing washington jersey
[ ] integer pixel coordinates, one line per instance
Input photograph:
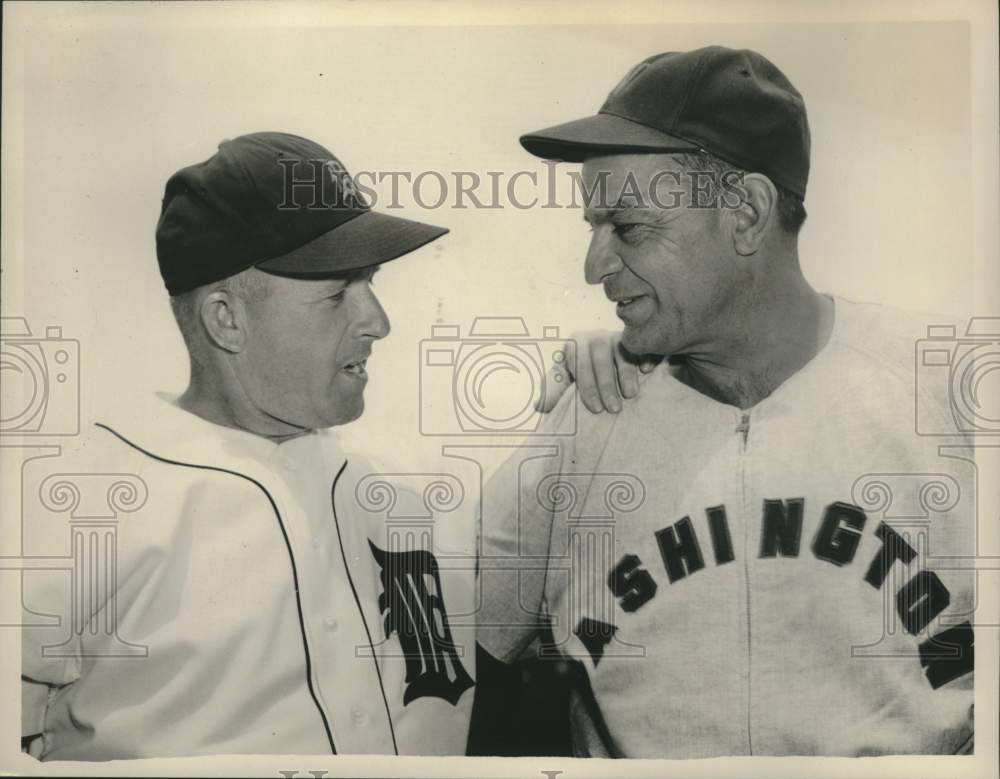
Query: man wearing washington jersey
(759, 554)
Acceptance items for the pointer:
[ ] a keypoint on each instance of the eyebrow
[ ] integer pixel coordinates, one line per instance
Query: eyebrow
(359, 274)
(604, 214)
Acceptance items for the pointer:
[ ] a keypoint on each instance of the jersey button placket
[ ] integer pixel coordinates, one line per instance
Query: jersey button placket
(742, 433)
(294, 523)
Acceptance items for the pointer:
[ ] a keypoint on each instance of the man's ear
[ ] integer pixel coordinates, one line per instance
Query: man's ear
(224, 319)
(755, 214)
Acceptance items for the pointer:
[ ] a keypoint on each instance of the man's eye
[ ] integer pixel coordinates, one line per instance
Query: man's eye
(338, 297)
(628, 229)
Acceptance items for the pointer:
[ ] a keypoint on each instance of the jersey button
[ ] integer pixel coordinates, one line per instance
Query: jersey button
(331, 624)
(358, 715)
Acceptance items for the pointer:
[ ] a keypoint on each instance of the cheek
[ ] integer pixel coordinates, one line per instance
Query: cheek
(290, 353)
(682, 296)
(326, 355)
(273, 329)
(318, 344)
(286, 375)
(656, 263)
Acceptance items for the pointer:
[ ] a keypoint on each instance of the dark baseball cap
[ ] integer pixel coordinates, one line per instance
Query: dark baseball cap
(734, 104)
(277, 202)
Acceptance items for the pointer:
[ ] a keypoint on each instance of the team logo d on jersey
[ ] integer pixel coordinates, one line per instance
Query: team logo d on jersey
(413, 607)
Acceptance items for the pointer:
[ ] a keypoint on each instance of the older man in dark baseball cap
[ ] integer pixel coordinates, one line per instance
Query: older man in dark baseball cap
(279, 215)
(244, 599)
(749, 597)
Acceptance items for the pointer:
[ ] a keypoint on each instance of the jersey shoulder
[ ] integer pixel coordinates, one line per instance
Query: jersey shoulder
(578, 433)
(896, 343)
(887, 333)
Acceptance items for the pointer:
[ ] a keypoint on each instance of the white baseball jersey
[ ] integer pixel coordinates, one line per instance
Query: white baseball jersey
(211, 592)
(794, 579)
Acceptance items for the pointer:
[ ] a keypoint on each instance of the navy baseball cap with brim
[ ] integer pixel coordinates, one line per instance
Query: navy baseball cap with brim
(734, 104)
(370, 238)
(279, 203)
(605, 134)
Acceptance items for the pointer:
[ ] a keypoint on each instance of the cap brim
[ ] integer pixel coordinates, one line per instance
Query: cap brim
(600, 135)
(371, 238)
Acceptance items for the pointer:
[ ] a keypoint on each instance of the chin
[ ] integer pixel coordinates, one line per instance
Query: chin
(356, 414)
(346, 414)
(640, 340)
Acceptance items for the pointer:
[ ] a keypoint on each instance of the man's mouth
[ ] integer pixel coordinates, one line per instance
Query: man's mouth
(356, 369)
(625, 304)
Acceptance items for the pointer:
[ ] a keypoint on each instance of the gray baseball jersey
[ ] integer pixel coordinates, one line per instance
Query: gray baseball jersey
(794, 579)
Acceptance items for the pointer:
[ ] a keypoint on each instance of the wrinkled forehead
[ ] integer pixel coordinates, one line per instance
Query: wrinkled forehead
(618, 167)
(621, 181)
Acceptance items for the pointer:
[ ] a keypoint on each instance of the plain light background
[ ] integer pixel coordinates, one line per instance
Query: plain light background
(102, 104)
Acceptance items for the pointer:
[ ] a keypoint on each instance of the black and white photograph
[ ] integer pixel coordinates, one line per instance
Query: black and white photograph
(500, 389)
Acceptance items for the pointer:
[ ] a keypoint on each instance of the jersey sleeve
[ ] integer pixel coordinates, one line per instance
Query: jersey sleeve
(34, 701)
(50, 650)
(516, 533)
(50, 647)
(53, 600)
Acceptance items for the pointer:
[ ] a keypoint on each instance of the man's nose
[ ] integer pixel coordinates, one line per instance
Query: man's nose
(373, 321)
(602, 255)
